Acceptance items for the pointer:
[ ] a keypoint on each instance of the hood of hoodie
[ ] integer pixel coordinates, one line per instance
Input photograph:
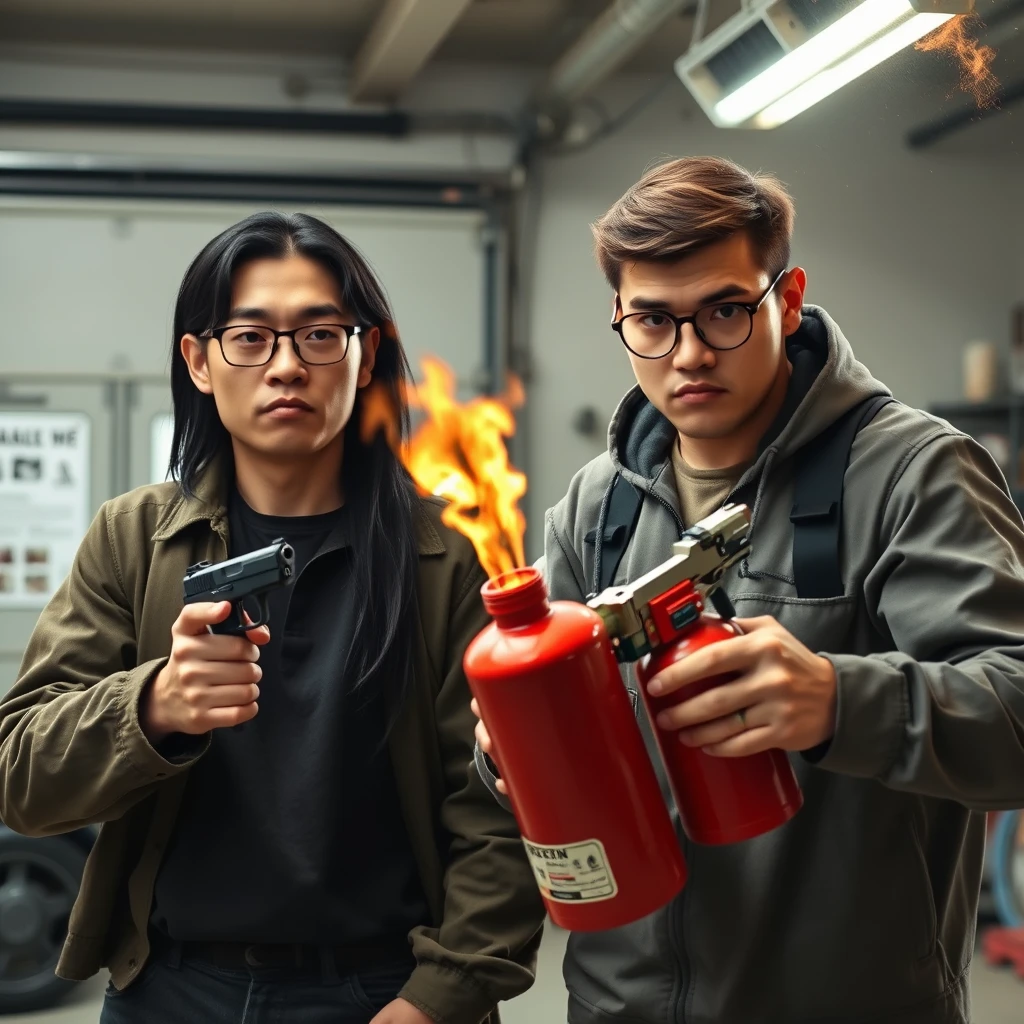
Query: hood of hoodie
(827, 381)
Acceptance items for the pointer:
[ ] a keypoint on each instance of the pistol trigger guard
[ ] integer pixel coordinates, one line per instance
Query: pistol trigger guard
(242, 624)
(264, 618)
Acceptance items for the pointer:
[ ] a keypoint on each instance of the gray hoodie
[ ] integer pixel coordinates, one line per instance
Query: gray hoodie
(862, 908)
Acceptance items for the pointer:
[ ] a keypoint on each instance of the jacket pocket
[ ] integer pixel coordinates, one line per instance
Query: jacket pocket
(825, 625)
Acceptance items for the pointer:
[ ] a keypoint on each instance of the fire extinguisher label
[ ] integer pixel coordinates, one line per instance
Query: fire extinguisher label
(576, 872)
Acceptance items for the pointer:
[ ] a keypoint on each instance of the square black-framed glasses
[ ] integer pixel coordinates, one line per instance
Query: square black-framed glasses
(261, 347)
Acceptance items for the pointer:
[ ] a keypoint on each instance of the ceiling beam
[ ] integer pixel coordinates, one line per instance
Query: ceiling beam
(401, 41)
(925, 135)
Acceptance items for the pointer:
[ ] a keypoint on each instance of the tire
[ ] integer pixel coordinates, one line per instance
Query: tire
(1008, 869)
(39, 880)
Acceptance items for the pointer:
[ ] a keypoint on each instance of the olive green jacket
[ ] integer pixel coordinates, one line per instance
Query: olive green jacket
(72, 753)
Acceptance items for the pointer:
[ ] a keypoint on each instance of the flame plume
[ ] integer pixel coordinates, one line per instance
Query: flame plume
(957, 37)
(458, 452)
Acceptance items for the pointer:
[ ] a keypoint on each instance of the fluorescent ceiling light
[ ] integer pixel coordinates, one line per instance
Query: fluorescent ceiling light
(774, 58)
(828, 81)
(840, 39)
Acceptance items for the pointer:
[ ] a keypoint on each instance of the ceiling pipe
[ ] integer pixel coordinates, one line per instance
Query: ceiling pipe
(389, 124)
(928, 134)
(392, 124)
(609, 41)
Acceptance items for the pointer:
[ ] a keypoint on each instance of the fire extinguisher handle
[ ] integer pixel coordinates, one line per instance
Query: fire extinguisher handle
(485, 763)
(723, 605)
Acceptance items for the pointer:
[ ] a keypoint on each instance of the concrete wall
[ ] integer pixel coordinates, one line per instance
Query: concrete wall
(914, 254)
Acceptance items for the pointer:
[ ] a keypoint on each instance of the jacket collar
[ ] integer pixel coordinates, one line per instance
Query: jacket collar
(209, 505)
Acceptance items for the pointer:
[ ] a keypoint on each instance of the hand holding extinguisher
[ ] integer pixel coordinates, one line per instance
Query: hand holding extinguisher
(660, 622)
(783, 695)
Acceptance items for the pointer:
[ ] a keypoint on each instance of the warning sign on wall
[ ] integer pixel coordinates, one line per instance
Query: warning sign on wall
(45, 504)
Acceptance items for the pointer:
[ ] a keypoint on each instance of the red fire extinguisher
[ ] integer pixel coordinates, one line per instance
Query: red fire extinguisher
(720, 799)
(660, 619)
(565, 739)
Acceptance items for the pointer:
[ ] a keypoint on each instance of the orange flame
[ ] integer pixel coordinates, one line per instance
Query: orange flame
(379, 415)
(957, 38)
(458, 452)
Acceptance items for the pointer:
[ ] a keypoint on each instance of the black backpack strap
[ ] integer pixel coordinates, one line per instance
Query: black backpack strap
(623, 509)
(817, 515)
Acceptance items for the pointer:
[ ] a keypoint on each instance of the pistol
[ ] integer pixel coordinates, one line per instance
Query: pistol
(237, 580)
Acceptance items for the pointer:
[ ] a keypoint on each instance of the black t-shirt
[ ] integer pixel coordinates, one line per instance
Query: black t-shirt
(290, 829)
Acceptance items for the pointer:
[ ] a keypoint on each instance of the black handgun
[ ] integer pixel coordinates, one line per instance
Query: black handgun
(240, 579)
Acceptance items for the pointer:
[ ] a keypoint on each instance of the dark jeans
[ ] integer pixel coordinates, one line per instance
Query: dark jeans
(180, 990)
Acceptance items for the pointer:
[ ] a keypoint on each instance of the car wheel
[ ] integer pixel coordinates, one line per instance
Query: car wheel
(39, 880)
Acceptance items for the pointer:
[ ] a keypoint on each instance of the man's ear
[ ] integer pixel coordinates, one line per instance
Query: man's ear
(194, 352)
(792, 288)
(368, 355)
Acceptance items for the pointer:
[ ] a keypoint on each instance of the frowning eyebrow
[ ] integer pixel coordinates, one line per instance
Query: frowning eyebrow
(728, 291)
(309, 314)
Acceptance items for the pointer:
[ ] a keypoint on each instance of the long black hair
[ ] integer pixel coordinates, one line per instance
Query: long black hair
(379, 493)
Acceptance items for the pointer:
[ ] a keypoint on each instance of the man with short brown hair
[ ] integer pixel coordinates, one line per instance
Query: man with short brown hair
(899, 692)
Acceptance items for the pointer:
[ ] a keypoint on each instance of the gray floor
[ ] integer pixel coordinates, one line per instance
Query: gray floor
(998, 996)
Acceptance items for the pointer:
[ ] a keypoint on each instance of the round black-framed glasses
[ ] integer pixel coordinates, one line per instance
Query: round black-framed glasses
(722, 326)
(256, 344)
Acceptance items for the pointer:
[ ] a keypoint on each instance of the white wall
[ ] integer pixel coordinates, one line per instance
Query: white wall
(89, 285)
(913, 254)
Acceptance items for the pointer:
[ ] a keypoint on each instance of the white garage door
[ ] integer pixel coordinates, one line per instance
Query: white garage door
(88, 288)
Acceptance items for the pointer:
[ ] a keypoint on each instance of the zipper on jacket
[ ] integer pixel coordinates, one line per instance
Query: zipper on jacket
(676, 919)
(668, 505)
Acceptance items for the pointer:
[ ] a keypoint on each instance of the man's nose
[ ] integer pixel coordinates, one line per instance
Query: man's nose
(691, 353)
(286, 366)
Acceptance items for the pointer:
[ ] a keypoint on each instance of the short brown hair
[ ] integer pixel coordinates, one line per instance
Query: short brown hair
(682, 206)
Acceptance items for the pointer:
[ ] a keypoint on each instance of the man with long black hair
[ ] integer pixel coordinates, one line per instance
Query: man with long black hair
(331, 860)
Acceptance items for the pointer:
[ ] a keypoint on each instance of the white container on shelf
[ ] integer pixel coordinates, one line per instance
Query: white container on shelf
(981, 371)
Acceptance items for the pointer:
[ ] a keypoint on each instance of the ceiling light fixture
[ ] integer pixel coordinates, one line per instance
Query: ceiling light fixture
(774, 59)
